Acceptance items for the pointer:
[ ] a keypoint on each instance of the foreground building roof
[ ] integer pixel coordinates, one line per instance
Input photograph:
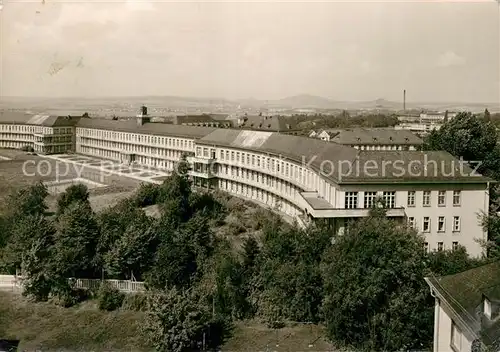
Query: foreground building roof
(9, 117)
(464, 294)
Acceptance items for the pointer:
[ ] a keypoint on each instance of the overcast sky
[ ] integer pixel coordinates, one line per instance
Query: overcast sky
(438, 51)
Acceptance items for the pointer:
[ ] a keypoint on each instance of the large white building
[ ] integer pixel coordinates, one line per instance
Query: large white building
(467, 310)
(304, 178)
(423, 124)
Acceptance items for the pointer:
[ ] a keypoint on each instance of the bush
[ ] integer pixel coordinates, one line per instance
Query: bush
(137, 302)
(27, 148)
(109, 298)
(70, 298)
(147, 194)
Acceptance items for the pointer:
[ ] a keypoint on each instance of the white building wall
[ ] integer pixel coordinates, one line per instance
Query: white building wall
(442, 332)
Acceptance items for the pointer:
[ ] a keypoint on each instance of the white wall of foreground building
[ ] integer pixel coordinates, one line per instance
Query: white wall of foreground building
(448, 335)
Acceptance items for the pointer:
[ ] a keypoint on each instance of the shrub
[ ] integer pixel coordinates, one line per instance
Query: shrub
(27, 148)
(147, 194)
(109, 298)
(136, 301)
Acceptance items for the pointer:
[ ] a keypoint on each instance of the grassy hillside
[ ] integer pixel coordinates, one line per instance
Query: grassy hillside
(47, 327)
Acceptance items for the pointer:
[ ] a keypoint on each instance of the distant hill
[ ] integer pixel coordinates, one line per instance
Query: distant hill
(193, 104)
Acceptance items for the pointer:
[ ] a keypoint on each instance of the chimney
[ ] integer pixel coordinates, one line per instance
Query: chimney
(404, 100)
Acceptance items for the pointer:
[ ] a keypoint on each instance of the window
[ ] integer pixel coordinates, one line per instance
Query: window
(426, 224)
(389, 199)
(411, 198)
(442, 198)
(351, 200)
(456, 334)
(426, 247)
(454, 245)
(426, 200)
(456, 224)
(441, 224)
(370, 199)
(456, 198)
(411, 222)
(440, 246)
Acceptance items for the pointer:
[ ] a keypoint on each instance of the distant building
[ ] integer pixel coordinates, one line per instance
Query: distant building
(267, 123)
(45, 134)
(372, 138)
(467, 310)
(424, 123)
(203, 120)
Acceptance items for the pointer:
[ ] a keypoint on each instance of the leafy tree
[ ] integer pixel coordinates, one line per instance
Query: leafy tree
(113, 222)
(75, 241)
(74, 193)
(24, 233)
(287, 284)
(487, 115)
(250, 253)
(27, 201)
(178, 321)
(181, 254)
(449, 262)
(175, 193)
(133, 252)
(465, 136)
(375, 288)
(147, 194)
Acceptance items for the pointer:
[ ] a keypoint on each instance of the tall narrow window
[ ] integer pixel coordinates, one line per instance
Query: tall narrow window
(411, 198)
(389, 199)
(440, 246)
(441, 224)
(456, 224)
(426, 200)
(456, 198)
(351, 200)
(442, 198)
(426, 225)
(370, 199)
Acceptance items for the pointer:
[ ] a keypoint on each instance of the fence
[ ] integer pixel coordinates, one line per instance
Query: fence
(15, 282)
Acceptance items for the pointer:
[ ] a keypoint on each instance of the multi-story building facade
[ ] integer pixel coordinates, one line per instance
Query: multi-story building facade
(305, 178)
(43, 134)
(371, 138)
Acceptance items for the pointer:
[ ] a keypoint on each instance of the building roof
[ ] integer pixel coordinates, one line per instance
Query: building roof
(37, 120)
(373, 136)
(345, 165)
(397, 166)
(268, 123)
(203, 118)
(147, 128)
(463, 293)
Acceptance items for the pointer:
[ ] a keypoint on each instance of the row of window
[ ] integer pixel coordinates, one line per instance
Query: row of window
(441, 224)
(272, 165)
(126, 147)
(25, 128)
(440, 246)
(135, 137)
(426, 198)
(388, 197)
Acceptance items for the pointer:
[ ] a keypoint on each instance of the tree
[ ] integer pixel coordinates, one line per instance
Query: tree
(287, 283)
(175, 193)
(74, 193)
(449, 262)
(75, 242)
(178, 321)
(27, 201)
(375, 289)
(487, 116)
(133, 252)
(24, 233)
(466, 136)
(446, 116)
(147, 194)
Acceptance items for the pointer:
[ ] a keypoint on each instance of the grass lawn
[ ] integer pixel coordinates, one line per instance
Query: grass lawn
(47, 327)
